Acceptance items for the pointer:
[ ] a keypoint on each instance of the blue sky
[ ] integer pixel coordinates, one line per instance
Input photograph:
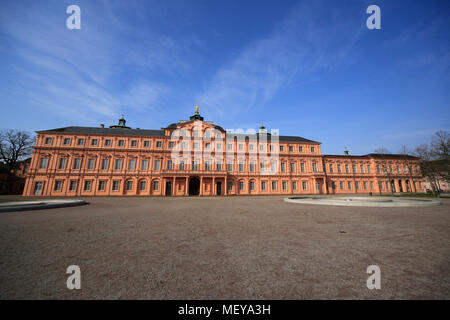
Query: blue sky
(307, 68)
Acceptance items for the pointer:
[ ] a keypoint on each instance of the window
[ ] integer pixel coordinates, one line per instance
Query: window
(66, 141)
(195, 145)
(261, 147)
(368, 169)
(94, 142)
(87, 185)
(250, 147)
(101, 185)
(219, 146)
(272, 166)
(261, 166)
(229, 166)
(157, 164)
(171, 144)
(133, 143)
(283, 169)
(58, 185)
(241, 147)
(219, 167)
(131, 164)
(146, 144)
(356, 185)
(313, 149)
(129, 185)
(107, 142)
(365, 185)
(73, 185)
(169, 165)
(292, 167)
(263, 185)
(62, 163)
(271, 148)
(331, 168)
(354, 168)
(300, 149)
(333, 185)
(294, 185)
(142, 185)
(80, 142)
(230, 185)
(361, 167)
(230, 146)
(346, 168)
(241, 185)
(281, 148)
(144, 165)
(115, 186)
(121, 143)
(241, 167)
(252, 185)
(77, 163)
(339, 168)
(284, 185)
(182, 165)
(155, 185)
(274, 185)
(195, 133)
(207, 166)
(104, 164)
(314, 165)
(118, 164)
(194, 165)
(291, 148)
(304, 185)
(91, 164)
(302, 167)
(208, 146)
(378, 168)
(48, 140)
(349, 184)
(252, 167)
(371, 185)
(341, 185)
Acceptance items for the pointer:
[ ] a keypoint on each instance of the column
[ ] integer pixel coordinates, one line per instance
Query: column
(201, 186)
(214, 193)
(174, 189)
(186, 187)
(226, 187)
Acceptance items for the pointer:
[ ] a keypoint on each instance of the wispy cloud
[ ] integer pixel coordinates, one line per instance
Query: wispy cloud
(310, 39)
(78, 73)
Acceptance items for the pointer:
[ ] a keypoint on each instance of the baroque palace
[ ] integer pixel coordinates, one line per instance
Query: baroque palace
(196, 157)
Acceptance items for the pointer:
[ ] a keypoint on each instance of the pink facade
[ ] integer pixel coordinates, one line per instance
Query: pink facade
(199, 158)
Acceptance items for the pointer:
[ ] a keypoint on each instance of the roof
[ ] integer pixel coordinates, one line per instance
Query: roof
(150, 133)
(107, 131)
(390, 155)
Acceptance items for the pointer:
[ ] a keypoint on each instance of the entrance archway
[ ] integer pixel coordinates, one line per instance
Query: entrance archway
(194, 187)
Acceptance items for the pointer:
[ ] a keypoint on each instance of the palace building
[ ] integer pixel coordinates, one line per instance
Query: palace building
(197, 157)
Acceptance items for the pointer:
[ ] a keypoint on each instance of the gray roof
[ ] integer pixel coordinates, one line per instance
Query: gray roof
(107, 131)
(150, 133)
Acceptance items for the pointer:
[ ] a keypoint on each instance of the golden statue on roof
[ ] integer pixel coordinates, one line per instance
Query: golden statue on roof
(196, 108)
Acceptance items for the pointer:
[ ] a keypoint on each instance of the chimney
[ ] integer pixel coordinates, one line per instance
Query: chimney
(102, 125)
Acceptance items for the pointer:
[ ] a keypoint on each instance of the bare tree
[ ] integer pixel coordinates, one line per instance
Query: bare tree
(408, 163)
(428, 167)
(382, 155)
(15, 146)
(440, 148)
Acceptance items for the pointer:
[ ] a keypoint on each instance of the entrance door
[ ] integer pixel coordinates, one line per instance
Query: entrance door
(194, 187)
(400, 185)
(219, 188)
(393, 186)
(317, 187)
(168, 188)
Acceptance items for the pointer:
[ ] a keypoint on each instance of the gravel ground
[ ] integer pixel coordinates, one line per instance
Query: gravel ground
(224, 248)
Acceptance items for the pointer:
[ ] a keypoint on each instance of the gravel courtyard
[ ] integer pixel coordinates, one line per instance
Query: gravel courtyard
(224, 248)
